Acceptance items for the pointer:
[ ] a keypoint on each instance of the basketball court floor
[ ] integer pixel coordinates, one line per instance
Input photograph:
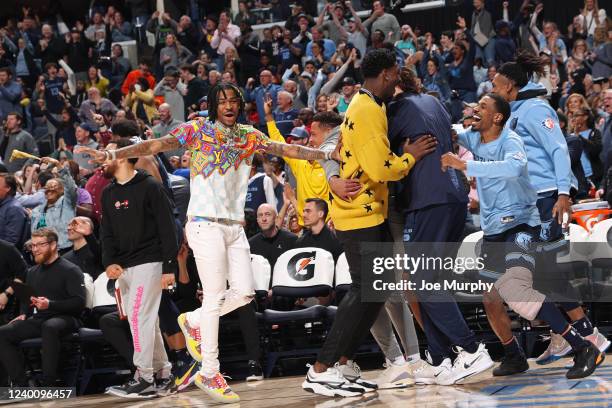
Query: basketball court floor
(541, 386)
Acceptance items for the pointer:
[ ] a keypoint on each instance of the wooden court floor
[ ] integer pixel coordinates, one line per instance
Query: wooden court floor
(541, 386)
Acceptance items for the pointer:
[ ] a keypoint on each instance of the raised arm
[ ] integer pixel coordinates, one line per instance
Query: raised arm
(296, 151)
(148, 147)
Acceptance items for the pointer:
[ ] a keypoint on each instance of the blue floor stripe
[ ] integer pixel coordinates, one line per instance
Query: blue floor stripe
(511, 398)
(548, 403)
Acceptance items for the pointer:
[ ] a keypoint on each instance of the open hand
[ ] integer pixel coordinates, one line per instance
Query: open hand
(422, 147)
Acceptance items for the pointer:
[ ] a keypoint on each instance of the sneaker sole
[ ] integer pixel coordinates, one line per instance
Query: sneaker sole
(216, 396)
(525, 368)
(254, 378)
(554, 357)
(397, 384)
(474, 370)
(132, 396)
(193, 352)
(598, 361)
(424, 381)
(321, 389)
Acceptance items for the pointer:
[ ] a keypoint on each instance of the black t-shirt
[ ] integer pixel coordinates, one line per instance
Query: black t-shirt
(272, 248)
(87, 258)
(326, 240)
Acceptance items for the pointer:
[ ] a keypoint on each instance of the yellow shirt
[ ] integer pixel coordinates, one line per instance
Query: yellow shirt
(310, 176)
(366, 156)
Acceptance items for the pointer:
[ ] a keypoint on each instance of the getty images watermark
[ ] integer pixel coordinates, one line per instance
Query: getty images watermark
(405, 264)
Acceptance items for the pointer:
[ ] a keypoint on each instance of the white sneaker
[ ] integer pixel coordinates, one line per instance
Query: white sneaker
(557, 348)
(395, 376)
(599, 340)
(352, 372)
(330, 383)
(426, 373)
(466, 365)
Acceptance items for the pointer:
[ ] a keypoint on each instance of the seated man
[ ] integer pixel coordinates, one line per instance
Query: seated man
(54, 311)
(317, 233)
(86, 251)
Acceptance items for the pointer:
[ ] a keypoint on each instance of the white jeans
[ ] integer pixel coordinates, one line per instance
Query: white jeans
(222, 254)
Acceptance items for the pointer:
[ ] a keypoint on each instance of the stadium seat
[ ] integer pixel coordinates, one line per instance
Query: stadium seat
(342, 277)
(262, 273)
(601, 238)
(298, 273)
(470, 248)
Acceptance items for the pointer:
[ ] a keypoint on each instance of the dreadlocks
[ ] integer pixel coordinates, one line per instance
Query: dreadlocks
(213, 98)
(521, 70)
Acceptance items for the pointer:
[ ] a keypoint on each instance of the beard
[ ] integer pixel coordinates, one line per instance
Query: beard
(43, 257)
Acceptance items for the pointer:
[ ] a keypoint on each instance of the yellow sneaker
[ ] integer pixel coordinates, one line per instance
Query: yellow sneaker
(217, 388)
(192, 337)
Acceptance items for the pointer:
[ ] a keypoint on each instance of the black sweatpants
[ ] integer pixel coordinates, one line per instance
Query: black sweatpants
(354, 318)
(51, 330)
(117, 333)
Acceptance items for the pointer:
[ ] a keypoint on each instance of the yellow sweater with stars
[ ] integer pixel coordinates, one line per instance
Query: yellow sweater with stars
(366, 156)
(310, 176)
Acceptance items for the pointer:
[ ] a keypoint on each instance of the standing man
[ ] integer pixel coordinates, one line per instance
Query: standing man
(83, 135)
(10, 93)
(12, 215)
(166, 124)
(224, 37)
(169, 88)
(259, 95)
(221, 155)
(510, 219)
(15, 138)
(385, 22)
(140, 247)
(365, 155)
(550, 172)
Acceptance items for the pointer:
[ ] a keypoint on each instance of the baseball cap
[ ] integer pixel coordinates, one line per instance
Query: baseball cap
(203, 99)
(306, 74)
(88, 127)
(299, 132)
(348, 81)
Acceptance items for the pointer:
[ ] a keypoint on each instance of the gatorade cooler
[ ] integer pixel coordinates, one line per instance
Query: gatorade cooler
(589, 213)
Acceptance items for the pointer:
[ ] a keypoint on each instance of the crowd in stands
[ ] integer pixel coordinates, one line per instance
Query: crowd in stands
(65, 84)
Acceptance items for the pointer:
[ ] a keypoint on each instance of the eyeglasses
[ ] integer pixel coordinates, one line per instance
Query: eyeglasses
(39, 245)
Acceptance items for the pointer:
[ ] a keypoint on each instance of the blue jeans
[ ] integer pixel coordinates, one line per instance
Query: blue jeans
(486, 53)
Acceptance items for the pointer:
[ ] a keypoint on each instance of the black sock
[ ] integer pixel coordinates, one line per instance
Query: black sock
(583, 326)
(512, 348)
(551, 315)
(471, 348)
(436, 360)
(575, 339)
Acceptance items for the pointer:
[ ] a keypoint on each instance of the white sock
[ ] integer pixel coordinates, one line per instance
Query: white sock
(414, 357)
(399, 361)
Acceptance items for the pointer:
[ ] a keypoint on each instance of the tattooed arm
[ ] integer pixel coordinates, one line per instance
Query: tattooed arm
(295, 151)
(146, 148)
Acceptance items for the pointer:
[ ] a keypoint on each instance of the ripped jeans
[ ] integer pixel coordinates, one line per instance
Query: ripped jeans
(222, 255)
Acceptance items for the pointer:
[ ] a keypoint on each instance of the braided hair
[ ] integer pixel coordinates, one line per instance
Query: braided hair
(213, 98)
(522, 69)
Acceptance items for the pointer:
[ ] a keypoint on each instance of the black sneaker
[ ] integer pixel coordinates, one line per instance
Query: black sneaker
(255, 371)
(134, 388)
(510, 365)
(585, 362)
(166, 386)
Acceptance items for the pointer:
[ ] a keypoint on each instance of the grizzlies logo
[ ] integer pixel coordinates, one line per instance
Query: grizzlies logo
(523, 240)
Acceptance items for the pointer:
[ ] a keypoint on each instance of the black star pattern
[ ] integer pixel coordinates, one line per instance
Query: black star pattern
(331, 197)
(407, 161)
(369, 192)
(342, 165)
(367, 207)
(390, 154)
(346, 121)
(351, 126)
(359, 174)
(348, 154)
(381, 182)
(387, 163)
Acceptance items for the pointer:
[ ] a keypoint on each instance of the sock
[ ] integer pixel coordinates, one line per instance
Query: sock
(182, 355)
(399, 361)
(436, 360)
(575, 339)
(165, 372)
(512, 348)
(551, 315)
(583, 326)
(471, 348)
(414, 357)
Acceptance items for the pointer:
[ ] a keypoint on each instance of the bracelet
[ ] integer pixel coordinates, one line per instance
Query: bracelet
(113, 154)
(106, 155)
(328, 156)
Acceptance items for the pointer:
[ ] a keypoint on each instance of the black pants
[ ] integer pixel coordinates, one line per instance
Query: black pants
(354, 317)
(51, 330)
(249, 329)
(117, 333)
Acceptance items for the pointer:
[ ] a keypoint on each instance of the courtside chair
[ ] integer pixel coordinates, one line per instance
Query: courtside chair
(600, 240)
(298, 273)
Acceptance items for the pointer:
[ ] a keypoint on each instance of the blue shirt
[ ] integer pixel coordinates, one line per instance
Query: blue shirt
(258, 95)
(329, 48)
(536, 122)
(507, 198)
